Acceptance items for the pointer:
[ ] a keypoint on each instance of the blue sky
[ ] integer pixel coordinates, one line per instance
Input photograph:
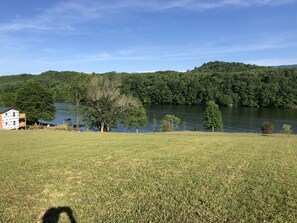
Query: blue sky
(144, 35)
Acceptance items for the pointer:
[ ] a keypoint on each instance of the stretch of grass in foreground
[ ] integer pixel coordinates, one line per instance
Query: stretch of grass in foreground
(157, 177)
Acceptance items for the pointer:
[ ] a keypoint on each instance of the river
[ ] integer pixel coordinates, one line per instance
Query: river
(234, 119)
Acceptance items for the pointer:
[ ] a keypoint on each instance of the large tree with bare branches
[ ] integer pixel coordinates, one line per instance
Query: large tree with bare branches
(76, 94)
(104, 102)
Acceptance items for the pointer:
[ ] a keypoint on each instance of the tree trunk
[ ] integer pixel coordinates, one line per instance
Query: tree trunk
(76, 111)
(212, 128)
(102, 127)
(77, 122)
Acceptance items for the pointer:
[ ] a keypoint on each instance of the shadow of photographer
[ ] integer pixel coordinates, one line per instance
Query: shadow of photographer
(52, 215)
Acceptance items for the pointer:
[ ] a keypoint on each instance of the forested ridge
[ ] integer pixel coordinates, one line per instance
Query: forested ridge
(227, 84)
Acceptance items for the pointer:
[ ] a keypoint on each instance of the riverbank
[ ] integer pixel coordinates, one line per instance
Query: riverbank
(158, 177)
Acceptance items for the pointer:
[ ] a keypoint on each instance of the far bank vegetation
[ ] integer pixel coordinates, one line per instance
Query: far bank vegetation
(226, 84)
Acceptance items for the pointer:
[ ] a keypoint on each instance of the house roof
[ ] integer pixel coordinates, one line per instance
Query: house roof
(4, 109)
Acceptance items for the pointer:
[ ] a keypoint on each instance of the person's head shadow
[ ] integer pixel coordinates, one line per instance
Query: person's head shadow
(52, 215)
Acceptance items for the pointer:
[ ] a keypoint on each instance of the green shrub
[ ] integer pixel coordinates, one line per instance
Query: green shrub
(33, 127)
(287, 129)
(267, 128)
(169, 123)
(63, 127)
(196, 129)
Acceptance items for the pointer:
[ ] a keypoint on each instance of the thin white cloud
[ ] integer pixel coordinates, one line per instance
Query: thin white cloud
(147, 55)
(162, 53)
(208, 5)
(58, 18)
(66, 14)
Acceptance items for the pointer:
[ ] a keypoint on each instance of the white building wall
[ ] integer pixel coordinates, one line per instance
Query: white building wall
(10, 119)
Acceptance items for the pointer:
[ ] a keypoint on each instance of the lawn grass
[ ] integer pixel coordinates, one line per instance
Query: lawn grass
(152, 177)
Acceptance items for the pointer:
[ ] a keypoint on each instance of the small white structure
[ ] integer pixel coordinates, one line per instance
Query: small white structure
(9, 119)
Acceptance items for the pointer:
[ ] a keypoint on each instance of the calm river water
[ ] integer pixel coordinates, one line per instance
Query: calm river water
(234, 119)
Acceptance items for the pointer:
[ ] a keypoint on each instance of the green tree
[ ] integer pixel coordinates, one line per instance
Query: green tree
(212, 117)
(104, 103)
(169, 123)
(134, 116)
(76, 94)
(8, 99)
(287, 129)
(36, 101)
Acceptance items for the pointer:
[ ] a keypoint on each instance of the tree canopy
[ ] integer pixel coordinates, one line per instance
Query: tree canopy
(212, 117)
(36, 101)
(104, 103)
(134, 116)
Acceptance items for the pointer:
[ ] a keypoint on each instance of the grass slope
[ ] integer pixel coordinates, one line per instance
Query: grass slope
(155, 177)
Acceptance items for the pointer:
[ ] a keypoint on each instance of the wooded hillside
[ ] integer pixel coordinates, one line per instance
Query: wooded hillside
(227, 84)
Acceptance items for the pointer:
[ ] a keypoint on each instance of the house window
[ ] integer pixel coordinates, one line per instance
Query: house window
(13, 122)
(13, 114)
(6, 123)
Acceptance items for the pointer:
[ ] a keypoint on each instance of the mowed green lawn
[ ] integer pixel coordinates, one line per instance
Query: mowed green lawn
(153, 177)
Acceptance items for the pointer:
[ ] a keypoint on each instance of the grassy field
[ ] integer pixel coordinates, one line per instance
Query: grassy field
(153, 177)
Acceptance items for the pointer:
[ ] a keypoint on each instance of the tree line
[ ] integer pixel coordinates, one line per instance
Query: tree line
(226, 84)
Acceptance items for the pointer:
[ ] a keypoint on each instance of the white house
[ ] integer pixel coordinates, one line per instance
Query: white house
(9, 118)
